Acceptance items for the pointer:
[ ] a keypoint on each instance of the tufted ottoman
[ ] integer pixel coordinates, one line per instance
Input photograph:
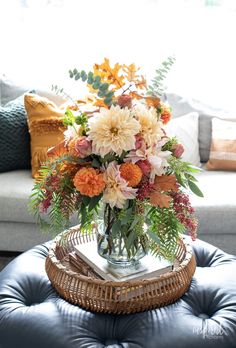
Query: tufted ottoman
(32, 315)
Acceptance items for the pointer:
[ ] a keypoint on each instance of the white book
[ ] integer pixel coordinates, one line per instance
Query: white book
(148, 267)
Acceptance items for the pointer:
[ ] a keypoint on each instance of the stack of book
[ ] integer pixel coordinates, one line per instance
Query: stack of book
(89, 263)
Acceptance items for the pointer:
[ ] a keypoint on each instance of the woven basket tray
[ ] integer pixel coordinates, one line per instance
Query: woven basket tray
(115, 297)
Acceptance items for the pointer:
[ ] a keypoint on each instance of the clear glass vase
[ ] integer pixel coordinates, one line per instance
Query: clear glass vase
(121, 235)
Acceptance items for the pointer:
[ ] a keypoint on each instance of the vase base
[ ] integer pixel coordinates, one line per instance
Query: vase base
(133, 264)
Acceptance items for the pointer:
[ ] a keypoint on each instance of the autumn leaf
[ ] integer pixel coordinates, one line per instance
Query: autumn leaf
(141, 84)
(159, 199)
(130, 71)
(109, 74)
(165, 183)
(153, 101)
(137, 96)
(100, 103)
(58, 150)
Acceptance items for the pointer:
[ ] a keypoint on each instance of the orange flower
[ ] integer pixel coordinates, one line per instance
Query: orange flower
(89, 182)
(131, 173)
(71, 147)
(165, 115)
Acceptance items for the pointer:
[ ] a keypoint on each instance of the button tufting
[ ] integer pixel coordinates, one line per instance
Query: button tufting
(110, 342)
(203, 316)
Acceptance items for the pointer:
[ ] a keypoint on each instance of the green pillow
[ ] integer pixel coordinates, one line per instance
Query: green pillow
(14, 136)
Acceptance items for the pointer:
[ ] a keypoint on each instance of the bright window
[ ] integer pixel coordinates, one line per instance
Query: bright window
(42, 39)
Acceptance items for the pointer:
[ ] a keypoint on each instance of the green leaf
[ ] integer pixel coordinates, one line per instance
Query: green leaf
(96, 85)
(75, 71)
(103, 87)
(194, 188)
(86, 200)
(108, 101)
(96, 163)
(154, 237)
(94, 201)
(116, 227)
(77, 76)
(97, 79)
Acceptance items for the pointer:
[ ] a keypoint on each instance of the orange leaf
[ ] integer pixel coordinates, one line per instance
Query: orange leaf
(141, 83)
(165, 183)
(153, 101)
(136, 95)
(130, 71)
(160, 199)
(58, 150)
(100, 103)
(109, 74)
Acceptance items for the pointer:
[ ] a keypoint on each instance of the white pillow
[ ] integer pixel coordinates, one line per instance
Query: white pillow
(185, 128)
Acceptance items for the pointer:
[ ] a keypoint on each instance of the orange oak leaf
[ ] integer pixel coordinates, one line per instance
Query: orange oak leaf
(160, 199)
(153, 101)
(131, 72)
(136, 95)
(58, 150)
(142, 83)
(109, 74)
(165, 183)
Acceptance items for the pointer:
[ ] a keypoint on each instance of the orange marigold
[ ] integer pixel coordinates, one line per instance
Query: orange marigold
(131, 173)
(89, 182)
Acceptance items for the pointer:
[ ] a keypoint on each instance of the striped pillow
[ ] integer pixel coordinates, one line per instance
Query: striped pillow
(223, 145)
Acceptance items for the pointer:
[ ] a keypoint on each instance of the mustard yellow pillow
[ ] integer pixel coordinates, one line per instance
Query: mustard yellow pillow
(45, 127)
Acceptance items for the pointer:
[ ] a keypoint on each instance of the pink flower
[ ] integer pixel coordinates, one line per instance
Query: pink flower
(125, 100)
(83, 147)
(145, 166)
(178, 150)
(139, 142)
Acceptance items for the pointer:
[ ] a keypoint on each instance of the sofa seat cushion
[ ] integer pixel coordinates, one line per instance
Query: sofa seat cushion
(15, 189)
(217, 210)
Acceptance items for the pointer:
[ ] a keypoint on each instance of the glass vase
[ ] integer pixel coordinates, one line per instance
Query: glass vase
(121, 235)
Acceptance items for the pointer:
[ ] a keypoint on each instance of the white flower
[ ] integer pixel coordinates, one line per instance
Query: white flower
(154, 155)
(113, 130)
(71, 132)
(117, 190)
(151, 128)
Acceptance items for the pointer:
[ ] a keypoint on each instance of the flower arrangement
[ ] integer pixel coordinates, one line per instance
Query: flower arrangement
(117, 162)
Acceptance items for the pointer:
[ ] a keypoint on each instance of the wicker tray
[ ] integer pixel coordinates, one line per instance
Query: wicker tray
(115, 297)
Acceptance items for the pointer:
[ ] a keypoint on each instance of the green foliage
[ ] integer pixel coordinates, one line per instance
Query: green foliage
(157, 87)
(183, 172)
(170, 143)
(95, 82)
(164, 230)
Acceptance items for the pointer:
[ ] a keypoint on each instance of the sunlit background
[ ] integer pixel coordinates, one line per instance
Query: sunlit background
(42, 39)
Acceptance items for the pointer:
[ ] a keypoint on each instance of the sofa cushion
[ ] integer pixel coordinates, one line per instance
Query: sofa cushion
(14, 139)
(185, 128)
(45, 126)
(15, 189)
(223, 145)
(10, 89)
(217, 210)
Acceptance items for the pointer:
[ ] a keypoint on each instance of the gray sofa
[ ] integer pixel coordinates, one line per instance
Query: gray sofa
(216, 212)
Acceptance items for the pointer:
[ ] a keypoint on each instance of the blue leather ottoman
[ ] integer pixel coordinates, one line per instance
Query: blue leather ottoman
(32, 315)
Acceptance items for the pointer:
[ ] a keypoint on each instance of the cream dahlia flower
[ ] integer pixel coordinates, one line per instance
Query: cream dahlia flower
(151, 128)
(113, 130)
(116, 190)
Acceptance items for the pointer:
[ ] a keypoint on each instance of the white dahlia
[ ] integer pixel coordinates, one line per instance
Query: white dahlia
(151, 128)
(113, 130)
(116, 190)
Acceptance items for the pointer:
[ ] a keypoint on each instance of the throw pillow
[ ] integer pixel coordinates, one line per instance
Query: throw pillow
(185, 128)
(223, 145)
(14, 136)
(45, 127)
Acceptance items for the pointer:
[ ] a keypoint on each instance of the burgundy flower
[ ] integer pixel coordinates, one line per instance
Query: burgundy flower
(125, 100)
(178, 150)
